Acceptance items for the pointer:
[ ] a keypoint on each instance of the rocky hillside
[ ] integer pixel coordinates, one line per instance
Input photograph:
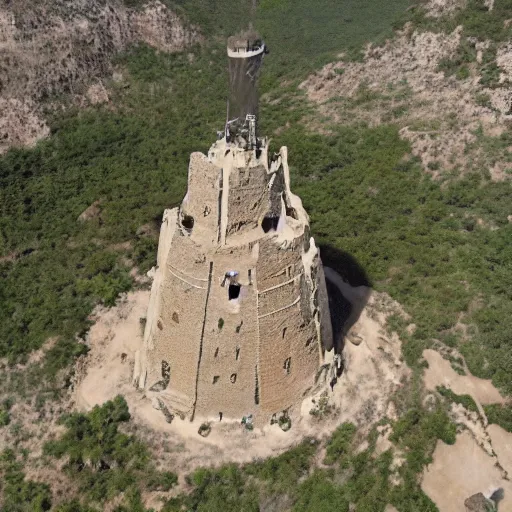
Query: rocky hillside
(445, 79)
(52, 47)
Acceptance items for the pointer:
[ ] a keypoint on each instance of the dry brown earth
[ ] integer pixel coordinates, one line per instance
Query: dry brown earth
(441, 373)
(461, 470)
(481, 459)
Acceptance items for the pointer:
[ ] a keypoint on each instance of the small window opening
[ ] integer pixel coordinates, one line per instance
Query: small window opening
(187, 222)
(215, 379)
(216, 352)
(257, 388)
(292, 212)
(237, 353)
(284, 332)
(238, 327)
(207, 211)
(287, 365)
(234, 291)
(289, 271)
(159, 324)
(249, 276)
(233, 378)
(269, 223)
(175, 317)
(166, 371)
(220, 323)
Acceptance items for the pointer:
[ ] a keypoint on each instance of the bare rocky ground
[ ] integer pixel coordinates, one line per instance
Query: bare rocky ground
(480, 460)
(445, 118)
(50, 48)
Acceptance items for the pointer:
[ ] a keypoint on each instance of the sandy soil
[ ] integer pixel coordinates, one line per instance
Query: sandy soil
(459, 471)
(373, 372)
(482, 456)
(502, 444)
(440, 373)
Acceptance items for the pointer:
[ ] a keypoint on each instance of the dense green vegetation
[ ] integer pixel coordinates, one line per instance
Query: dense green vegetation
(464, 400)
(499, 414)
(20, 494)
(105, 461)
(369, 201)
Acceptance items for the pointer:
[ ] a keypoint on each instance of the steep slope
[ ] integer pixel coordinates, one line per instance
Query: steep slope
(50, 48)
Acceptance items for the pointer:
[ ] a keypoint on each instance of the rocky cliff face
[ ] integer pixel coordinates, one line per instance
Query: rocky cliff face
(54, 47)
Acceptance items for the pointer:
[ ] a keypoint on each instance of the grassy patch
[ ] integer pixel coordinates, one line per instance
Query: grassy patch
(339, 443)
(464, 400)
(499, 414)
(18, 493)
(102, 459)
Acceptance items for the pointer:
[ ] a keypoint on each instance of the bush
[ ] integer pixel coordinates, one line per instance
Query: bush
(319, 493)
(221, 490)
(103, 460)
(162, 481)
(465, 400)
(19, 494)
(500, 415)
(339, 444)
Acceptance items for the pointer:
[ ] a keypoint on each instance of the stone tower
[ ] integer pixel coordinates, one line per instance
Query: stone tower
(238, 319)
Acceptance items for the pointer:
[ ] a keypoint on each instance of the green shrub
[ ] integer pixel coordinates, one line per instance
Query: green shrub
(74, 506)
(339, 444)
(103, 460)
(94, 440)
(19, 494)
(283, 472)
(221, 490)
(162, 481)
(465, 400)
(500, 415)
(319, 493)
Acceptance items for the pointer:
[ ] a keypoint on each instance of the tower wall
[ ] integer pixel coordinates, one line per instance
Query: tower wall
(202, 199)
(255, 353)
(179, 321)
(248, 198)
(231, 345)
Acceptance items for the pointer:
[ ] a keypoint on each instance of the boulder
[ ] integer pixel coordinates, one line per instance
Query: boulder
(479, 503)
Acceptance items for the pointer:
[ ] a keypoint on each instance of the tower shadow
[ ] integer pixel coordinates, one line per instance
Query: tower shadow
(348, 289)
